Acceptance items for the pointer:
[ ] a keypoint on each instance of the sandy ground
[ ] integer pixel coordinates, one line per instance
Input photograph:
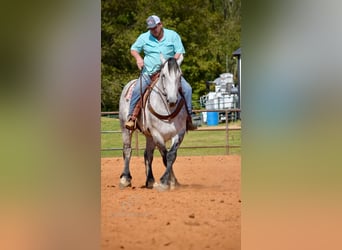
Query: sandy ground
(204, 213)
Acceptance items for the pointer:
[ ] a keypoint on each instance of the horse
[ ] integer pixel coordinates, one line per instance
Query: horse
(162, 118)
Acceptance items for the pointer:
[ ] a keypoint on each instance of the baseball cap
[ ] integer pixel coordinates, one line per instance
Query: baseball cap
(152, 21)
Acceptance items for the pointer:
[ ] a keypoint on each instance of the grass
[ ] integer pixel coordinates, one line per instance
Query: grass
(197, 138)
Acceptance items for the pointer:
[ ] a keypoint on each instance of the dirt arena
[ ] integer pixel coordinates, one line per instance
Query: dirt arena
(204, 213)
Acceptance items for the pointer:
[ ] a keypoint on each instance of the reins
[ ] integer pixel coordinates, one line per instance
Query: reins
(169, 116)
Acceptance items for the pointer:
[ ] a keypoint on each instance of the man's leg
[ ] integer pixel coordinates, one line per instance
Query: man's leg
(139, 88)
(187, 92)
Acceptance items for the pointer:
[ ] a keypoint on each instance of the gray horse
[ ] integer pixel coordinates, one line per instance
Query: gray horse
(162, 118)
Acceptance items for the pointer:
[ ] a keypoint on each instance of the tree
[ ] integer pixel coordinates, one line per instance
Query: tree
(210, 31)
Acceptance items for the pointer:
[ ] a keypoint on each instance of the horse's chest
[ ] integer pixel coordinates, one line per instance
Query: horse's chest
(166, 132)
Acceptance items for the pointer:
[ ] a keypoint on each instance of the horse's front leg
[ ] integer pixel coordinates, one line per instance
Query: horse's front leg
(173, 180)
(168, 179)
(125, 177)
(148, 157)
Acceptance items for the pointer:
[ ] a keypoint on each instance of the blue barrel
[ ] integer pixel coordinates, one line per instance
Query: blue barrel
(212, 118)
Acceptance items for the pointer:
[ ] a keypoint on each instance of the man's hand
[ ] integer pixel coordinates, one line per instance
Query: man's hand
(140, 63)
(138, 58)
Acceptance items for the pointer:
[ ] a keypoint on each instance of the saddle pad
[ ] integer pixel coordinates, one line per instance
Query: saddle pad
(130, 91)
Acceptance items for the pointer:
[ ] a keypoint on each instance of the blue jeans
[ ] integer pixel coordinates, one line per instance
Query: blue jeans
(145, 80)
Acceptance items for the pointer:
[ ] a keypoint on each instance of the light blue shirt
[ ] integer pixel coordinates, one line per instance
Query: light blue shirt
(170, 44)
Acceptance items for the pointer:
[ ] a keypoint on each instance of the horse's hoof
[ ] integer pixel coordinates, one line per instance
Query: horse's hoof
(174, 185)
(150, 184)
(160, 187)
(123, 186)
(124, 183)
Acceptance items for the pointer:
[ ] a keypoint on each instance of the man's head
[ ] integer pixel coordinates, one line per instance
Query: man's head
(152, 21)
(155, 26)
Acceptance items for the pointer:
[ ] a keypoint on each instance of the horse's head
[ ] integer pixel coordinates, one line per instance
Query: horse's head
(170, 78)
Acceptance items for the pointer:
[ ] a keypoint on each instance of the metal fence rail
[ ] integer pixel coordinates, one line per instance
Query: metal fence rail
(200, 129)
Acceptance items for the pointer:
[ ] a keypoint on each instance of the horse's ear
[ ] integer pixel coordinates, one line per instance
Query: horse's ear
(180, 59)
(162, 58)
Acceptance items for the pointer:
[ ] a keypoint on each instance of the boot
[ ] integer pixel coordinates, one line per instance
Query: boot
(189, 124)
(130, 124)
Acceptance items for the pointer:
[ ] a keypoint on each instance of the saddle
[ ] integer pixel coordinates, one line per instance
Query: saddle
(142, 101)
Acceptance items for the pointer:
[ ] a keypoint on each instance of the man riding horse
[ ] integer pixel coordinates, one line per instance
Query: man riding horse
(156, 41)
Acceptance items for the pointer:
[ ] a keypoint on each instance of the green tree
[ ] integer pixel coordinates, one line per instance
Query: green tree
(210, 31)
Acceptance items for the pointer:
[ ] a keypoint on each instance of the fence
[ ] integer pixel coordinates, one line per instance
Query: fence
(225, 115)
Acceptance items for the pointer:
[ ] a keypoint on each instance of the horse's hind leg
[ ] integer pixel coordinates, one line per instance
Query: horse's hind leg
(148, 157)
(125, 177)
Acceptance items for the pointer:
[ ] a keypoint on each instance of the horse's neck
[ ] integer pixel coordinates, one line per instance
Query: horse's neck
(150, 89)
(157, 97)
(156, 83)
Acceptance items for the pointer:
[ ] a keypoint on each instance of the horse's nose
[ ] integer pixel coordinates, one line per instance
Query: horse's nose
(171, 103)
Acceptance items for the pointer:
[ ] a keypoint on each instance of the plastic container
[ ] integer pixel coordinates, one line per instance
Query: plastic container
(212, 118)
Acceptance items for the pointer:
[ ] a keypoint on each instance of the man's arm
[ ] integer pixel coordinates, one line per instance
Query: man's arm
(138, 58)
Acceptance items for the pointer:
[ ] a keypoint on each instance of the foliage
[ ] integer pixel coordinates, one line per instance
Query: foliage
(210, 31)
